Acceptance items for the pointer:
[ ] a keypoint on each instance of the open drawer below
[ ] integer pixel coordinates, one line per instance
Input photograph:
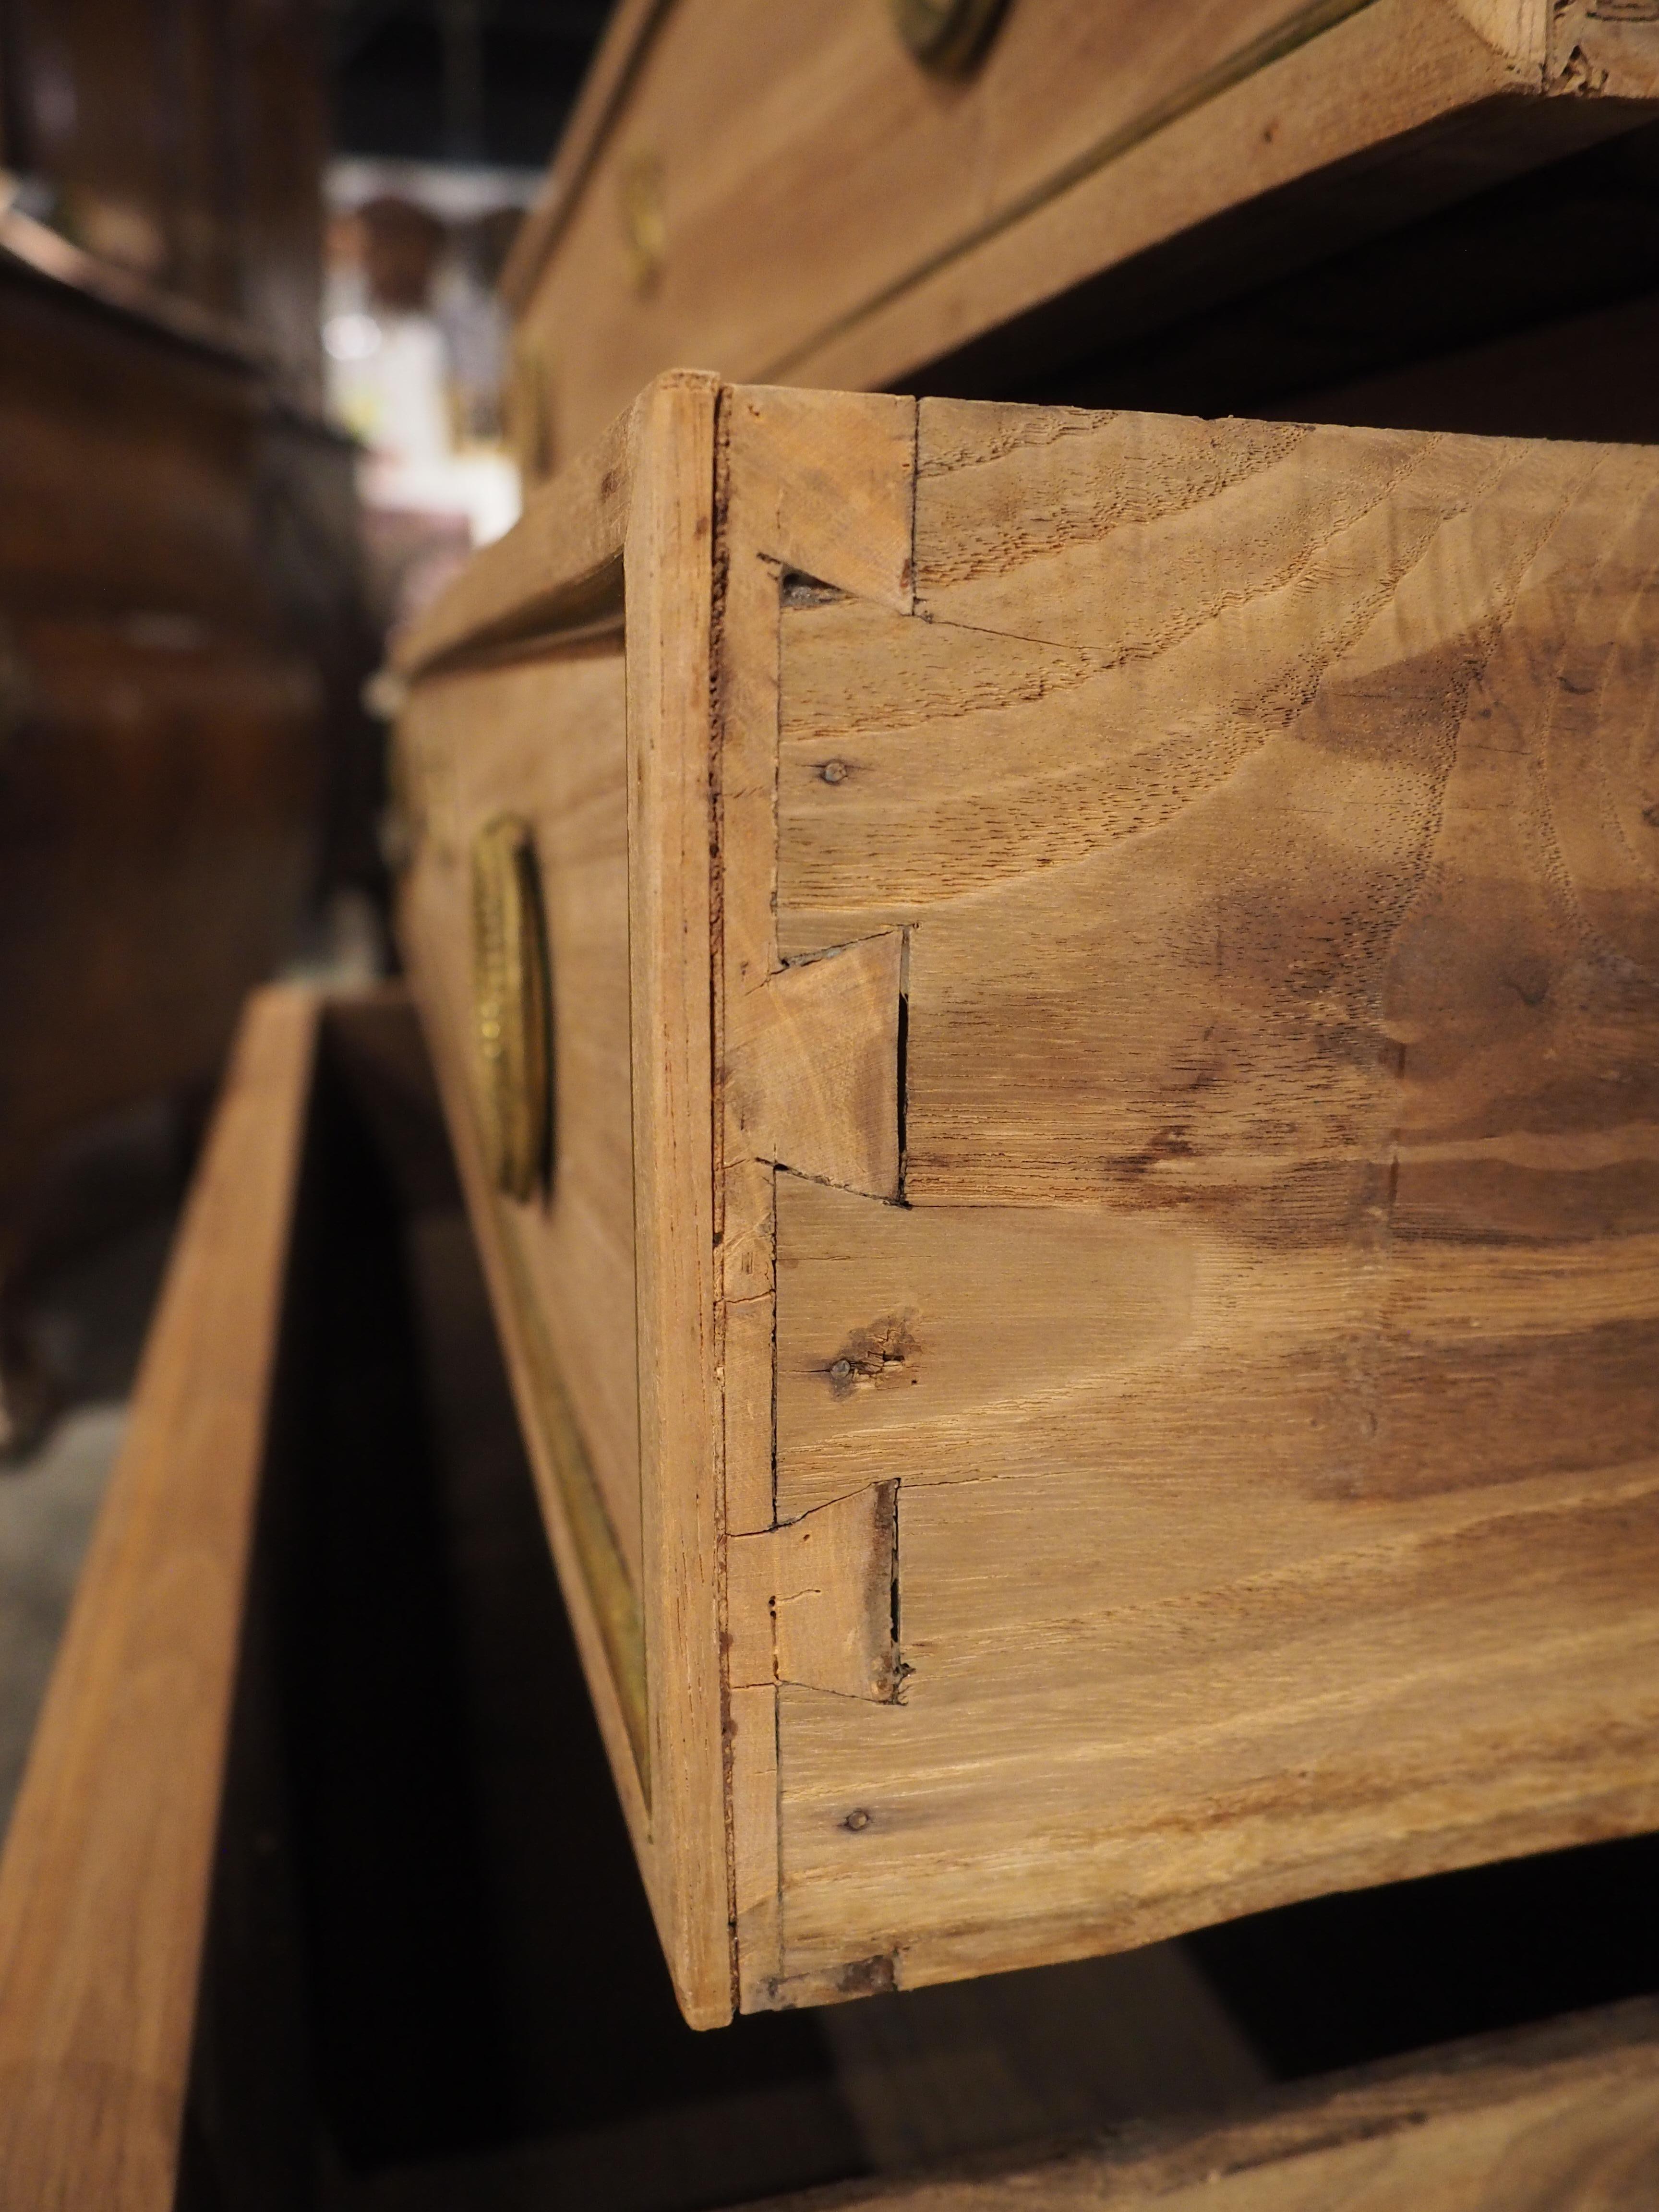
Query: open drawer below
(318, 1897)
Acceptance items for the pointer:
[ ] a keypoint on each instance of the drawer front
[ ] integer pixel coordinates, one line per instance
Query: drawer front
(794, 198)
(538, 748)
(1173, 910)
(552, 766)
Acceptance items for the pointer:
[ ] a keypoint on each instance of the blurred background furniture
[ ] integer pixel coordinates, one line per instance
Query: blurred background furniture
(184, 769)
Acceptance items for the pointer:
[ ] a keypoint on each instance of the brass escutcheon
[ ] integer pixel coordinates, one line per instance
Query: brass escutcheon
(512, 1013)
(645, 226)
(948, 36)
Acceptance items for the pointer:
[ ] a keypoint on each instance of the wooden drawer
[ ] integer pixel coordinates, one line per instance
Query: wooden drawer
(1085, 1306)
(794, 198)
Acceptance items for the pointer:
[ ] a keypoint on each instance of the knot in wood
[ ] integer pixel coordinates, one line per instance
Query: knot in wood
(871, 1356)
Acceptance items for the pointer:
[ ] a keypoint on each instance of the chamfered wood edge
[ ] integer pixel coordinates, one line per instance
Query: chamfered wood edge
(104, 1880)
(559, 571)
(558, 568)
(669, 553)
(1597, 2053)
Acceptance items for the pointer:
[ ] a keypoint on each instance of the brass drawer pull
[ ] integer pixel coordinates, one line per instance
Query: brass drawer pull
(511, 1007)
(946, 35)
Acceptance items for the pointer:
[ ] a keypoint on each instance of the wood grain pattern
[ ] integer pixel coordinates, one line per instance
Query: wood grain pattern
(751, 1720)
(104, 1884)
(669, 564)
(1340, 125)
(811, 1602)
(1562, 2119)
(1328, 629)
(827, 495)
(1265, 807)
(811, 1065)
(852, 222)
(602, 738)
(812, 500)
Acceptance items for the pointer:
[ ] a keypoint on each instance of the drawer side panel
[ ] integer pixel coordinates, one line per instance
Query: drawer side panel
(1264, 1349)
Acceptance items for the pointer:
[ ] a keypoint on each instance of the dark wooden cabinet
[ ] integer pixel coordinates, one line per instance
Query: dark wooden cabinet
(182, 140)
(181, 641)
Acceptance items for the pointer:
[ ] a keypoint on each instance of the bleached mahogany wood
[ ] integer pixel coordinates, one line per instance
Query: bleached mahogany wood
(806, 493)
(812, 500)
(1235, 883)
(1562, 2119)
(104, 1884)
(936, 1343)
(752, 1743)
(1391, 110)
(812, 1067)
(631, 24)
(1265, 809)
(852, 220)
(811, 1602)
(668, 565)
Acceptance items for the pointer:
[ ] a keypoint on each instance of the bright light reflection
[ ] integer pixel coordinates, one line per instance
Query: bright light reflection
(351, 338)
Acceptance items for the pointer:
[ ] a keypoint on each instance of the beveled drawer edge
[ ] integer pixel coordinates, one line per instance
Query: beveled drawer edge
(559, 567)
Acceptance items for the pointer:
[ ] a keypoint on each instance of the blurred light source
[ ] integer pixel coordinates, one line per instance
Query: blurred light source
(351, 338)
